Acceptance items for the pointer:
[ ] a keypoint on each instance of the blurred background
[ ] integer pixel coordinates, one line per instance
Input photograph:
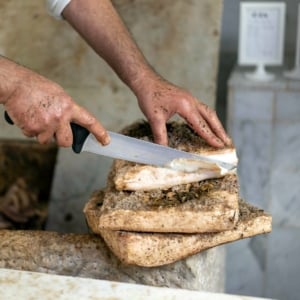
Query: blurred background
(193, 44)
(264, 120)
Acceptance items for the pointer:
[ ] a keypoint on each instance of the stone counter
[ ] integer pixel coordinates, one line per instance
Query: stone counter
(28, 285)
(85, 255)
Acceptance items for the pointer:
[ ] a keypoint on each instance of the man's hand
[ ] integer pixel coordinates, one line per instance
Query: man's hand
(41, 108)
(160, 100)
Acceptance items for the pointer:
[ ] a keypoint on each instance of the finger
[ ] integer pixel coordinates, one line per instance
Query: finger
(159, 131)
(45, 137)
(203, 129)
(64, 136)
(199, 124)
(88, 121)
(213, 121)
(28, 133)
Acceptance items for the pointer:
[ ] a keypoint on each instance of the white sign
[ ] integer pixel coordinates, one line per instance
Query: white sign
(261, 34)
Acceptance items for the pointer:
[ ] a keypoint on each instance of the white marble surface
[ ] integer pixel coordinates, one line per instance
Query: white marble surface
(238, 78)
(287, 108)
(264, 120)
(243, 272)
(251, 104)
(253, 142)
(28, 285)
(283, 264)
(285, 189)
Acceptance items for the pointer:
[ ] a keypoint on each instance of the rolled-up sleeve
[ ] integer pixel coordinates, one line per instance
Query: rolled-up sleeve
(56, 7)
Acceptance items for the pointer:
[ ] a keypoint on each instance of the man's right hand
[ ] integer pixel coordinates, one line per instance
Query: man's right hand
(41, 108)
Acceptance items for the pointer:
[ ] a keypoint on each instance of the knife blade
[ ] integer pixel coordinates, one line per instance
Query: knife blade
(143, 152)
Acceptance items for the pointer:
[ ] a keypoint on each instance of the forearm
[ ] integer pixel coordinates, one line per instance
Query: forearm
(100, 25)
(10, 75)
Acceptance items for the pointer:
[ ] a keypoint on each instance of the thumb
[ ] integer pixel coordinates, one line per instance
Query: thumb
(88, 121)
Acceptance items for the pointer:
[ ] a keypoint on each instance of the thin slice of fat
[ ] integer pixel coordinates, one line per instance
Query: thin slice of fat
(229, 156)
(192, 165)
(146, 177)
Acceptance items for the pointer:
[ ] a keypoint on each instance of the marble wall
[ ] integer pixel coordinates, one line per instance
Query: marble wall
(182, 44)
(264, 122)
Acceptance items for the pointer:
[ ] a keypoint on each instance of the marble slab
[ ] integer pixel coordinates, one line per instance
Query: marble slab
(238, 78)
(287, 108)
(253, 141)
(283, 265)
(284, 183)
(244, 274)
(251, 104)
(28, 285)
(264, 120)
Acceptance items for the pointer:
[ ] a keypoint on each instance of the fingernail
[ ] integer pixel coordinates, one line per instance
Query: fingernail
(106, 140)
(229, 141)
(220, 142)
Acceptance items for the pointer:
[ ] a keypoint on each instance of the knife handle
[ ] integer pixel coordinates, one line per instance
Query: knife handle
(79, 136)
(8, 119)
(79, 133)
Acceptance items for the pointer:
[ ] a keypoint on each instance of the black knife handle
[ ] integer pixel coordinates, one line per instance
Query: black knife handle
(79, 133)
(79, 136)
(8, 119)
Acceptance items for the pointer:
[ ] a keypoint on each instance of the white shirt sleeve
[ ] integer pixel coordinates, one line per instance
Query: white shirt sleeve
(56, 7)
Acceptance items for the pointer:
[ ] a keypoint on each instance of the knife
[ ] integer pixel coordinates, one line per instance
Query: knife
(140, 151)
(143, 152)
